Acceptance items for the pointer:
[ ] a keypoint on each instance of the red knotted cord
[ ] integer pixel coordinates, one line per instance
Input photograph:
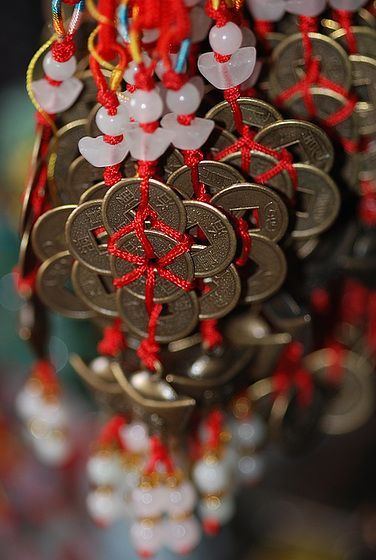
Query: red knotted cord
(158, 455)
(110, 433)
(113, 341)
(289, 373)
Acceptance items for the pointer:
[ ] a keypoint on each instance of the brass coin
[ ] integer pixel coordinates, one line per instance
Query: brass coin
(327, 102)
(306, 141)
(365, 40)
(48, 235)
(271, 269)
(218, 231)
(214, 174)
(362, 17)
(320, 201)
(364, 82)
(121, 202)
(288, 66)
(173, 160)
(367, 164)
(95, 290)
(255, 113)
(305, 247)
(218, 140)
(26, 214)
(272, 218)
(261, 163)
(64, 153)
(178, 318)
(26, 258)
(81, 176)
(164, 290)
(353, 403)
(223, 295)
(83, 240)
(96, 192)
(85, 101)
(53, 280)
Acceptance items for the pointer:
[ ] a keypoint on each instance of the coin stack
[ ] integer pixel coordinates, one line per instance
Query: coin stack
(182, 196)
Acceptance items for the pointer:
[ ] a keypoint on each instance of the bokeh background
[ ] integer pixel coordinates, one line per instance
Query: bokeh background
(320, 505)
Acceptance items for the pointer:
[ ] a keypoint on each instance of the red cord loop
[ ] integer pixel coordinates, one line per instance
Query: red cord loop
(52, 82)
(113, 341)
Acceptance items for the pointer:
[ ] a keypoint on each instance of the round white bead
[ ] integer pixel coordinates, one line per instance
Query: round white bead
(182, 536)
(225, 40)
(181, 499)
(103, 506)
(210, 477)
(251, 468)
(185, 100)
(350, 5)
(53, 449)
(100, 366)
(148, 502)
(28, 401)
(250, 433)
(112, 125)
(221, 510)
(132, 69)
(59, 70)
(103, 469)
(53, 414)
(146, 106)
(146, 537)
(135, 437)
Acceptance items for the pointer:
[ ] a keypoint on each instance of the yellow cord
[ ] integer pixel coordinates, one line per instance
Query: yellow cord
(95, 14)
(29, 79)
(94, 53)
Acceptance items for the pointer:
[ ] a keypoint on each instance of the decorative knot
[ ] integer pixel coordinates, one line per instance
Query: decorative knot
(109, 100)
(63, 50)
(173, 80)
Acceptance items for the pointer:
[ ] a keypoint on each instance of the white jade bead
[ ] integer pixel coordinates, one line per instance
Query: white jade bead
(135, 437)
(181, 499)
(103, 506)
(350, 5)
(112, 125)
(182, 536)
(251, 468)
(221, 510)
(268, 10)
(249, 433)
(131, 71)
(185, 100)
(28, 401)
(53, 414)
(100, 366)
(226, 39)
(146, 537)
(54, 449)
(59, 70)
(148, 502)
(146, 106)
(210, 477)
(310, 8)
(103, 470)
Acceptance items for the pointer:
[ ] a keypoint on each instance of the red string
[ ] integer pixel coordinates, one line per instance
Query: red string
(210, 334)
(64, 49)
(110, 433)
(214, 426)
(371, 327)
(262, 29)
(159, 455)
(107, 33)
(367, 205)
(345, 19)
(55, 83)
(335, 371)
(113, 341)
(289, 373)
(112, 175)
(45, 372)
(354, 302)
(320, 301)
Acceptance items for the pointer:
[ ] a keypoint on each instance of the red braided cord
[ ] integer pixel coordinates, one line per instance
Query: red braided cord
(335, 371)
(345, 19)
(45, 372)
(109, 434)
(214, 425)
(262, 28)
(113, 341)
(159, 455)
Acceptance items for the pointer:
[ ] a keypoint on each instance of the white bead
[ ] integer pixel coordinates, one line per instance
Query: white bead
(251, 81)
(28, 401)
(310, 8)
(113, 125)
(59, 70)
(200, 24)
(185, 100)
(210, 477)
(145, 146)
(221, 511)
(146, 537)
(56, 99)
(54, 414)
(228, 74)
(148, 502)
(133, 67)
(101, 154)
(160, 67)
(350, 5)
(190, 137)
(135, 437)
(104, 506)
(103, 469)
(226, 39)
(182, 536)
(249, 433)
(150, 35)
(181, 499)
(268, 10)
(54, 449)
(100, 366)
(146, 106)
(251, 468)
